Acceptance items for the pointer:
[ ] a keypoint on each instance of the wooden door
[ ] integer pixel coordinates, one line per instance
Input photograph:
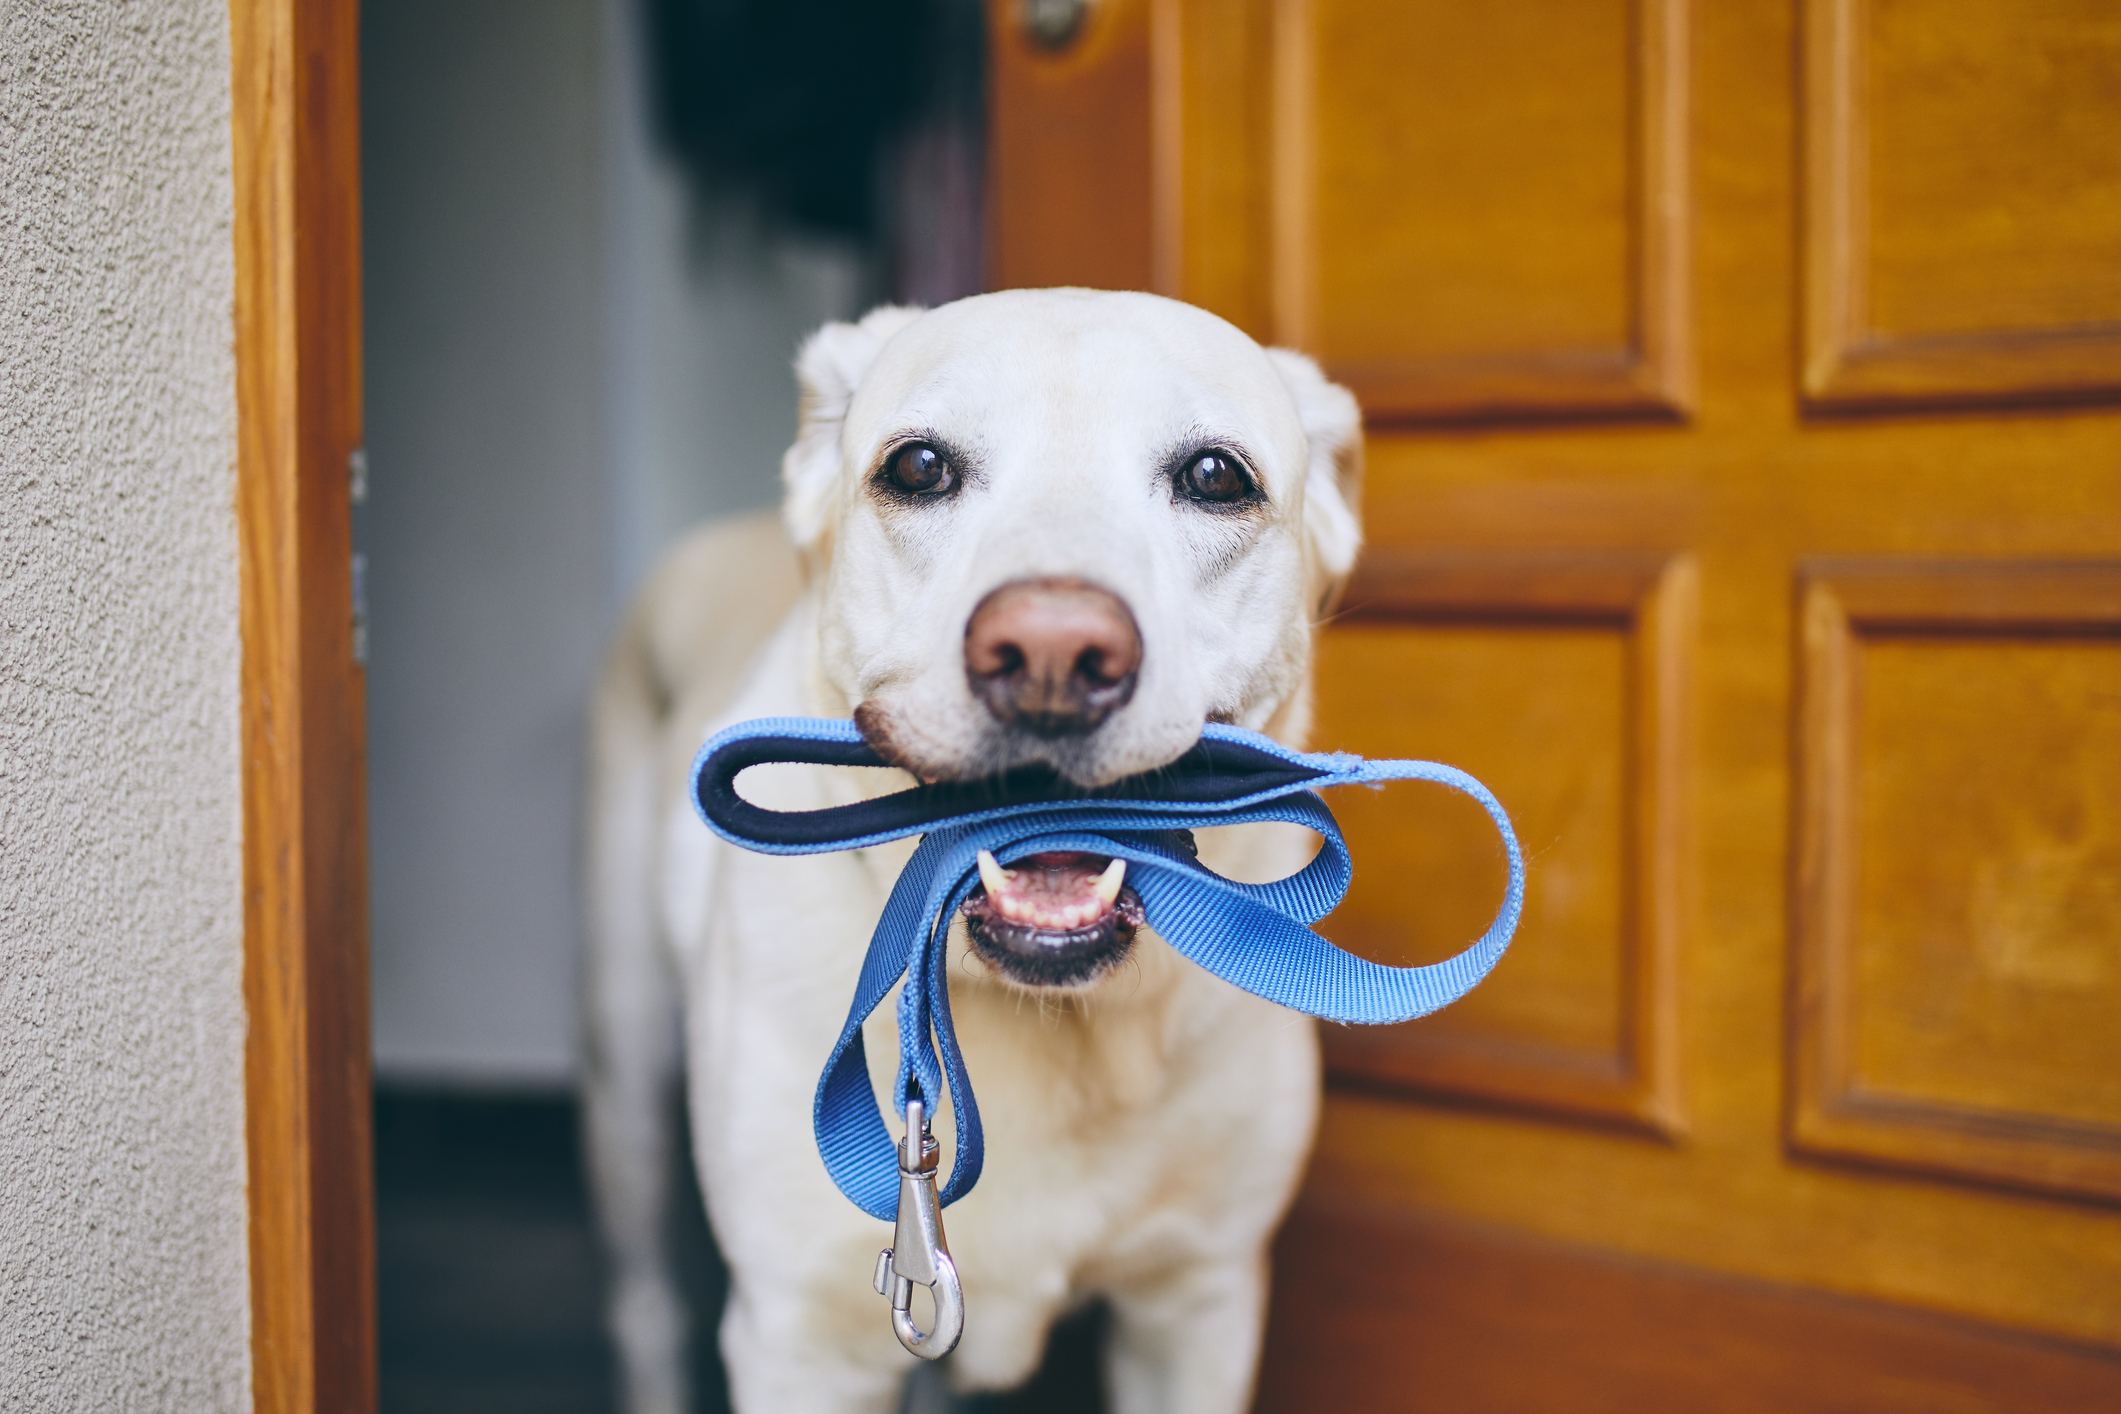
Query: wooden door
(1743, 384)
(294, 114)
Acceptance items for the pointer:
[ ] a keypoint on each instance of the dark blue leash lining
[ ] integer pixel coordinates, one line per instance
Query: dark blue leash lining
(1255, 936)
(1214, 771)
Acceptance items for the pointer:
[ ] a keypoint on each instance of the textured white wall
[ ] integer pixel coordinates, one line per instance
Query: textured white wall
(123, 1270)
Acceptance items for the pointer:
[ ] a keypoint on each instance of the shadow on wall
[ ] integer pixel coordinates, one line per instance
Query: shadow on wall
(856, 120)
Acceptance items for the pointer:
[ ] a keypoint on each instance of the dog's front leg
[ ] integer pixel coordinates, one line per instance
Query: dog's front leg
(1188, 1344)
(804, 1331)
(783, 1358)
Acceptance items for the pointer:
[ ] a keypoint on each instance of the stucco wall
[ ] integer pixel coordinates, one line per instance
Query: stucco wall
(123, 1277)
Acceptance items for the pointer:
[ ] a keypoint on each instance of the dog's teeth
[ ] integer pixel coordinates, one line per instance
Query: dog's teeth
(1108, 882)
(993, 876)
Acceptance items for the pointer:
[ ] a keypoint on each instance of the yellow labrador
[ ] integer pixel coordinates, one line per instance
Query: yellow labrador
(1054, 527)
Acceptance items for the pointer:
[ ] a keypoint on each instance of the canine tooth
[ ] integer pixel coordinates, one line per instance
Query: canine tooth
(1108, 882)
(993, 875)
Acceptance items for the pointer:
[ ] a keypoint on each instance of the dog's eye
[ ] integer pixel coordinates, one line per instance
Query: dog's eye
(1217, 477)
(919, 470)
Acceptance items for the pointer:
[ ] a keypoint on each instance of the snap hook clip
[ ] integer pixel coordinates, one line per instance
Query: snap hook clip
(918, 1252)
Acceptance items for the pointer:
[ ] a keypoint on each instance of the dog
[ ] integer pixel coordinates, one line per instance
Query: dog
(1054, 529)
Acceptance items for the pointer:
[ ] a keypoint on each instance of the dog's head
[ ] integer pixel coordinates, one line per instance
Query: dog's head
(1062, 530)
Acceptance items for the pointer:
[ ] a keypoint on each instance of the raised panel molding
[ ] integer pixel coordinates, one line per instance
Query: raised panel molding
(1843, 605)
(1650, 598)
(1850, 365)
(1649, 374)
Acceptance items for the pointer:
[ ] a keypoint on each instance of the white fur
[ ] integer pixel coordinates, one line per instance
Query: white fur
(1144, 1134)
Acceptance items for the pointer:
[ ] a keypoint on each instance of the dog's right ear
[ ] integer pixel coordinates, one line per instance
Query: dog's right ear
(829, 368)
(1332, 424)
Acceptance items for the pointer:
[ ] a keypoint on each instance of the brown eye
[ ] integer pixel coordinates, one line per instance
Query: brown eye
(919, 470)
(1216, 477)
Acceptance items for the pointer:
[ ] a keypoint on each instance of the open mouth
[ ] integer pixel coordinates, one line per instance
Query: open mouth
(1053, 920)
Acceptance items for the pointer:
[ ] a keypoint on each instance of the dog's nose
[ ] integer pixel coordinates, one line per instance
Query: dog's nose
(1052, 656)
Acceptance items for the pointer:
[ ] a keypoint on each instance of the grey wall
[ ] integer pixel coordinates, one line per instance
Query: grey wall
(123, 1260)
(568, 363)
(487, 518)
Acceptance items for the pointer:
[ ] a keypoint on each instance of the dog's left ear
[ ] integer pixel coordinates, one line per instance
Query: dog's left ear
(1332, 425)
(829, 367)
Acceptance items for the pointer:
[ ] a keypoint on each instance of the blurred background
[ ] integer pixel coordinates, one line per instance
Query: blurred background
(595, 235)
(1744, 503)
(595, 232)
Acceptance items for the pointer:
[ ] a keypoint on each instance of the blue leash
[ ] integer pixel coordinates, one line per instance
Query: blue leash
(1256, 936)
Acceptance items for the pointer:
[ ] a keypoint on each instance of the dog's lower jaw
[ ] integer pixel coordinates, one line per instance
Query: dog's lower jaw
(1043, 959)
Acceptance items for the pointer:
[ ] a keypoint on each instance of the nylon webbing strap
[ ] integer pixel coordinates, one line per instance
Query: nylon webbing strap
(1256, 936)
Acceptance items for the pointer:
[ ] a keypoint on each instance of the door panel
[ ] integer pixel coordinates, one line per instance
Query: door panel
(1445, 690)
(1462, 657)
(1743, 386)
(1426, 156)
(1401, 206)
(2016, 97)
(1963, 201)
(1959, 962)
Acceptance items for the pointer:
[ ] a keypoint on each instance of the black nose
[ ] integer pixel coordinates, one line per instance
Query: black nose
(1054, 657)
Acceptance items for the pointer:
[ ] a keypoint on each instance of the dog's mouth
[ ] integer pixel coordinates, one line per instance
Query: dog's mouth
(1053, 920)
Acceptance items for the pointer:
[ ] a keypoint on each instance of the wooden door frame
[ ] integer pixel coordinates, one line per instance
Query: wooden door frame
(295, 113)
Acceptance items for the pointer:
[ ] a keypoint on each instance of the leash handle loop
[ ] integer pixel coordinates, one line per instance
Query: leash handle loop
(1255, 936)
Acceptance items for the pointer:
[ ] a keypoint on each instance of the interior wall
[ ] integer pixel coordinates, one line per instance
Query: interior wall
(123, 1255)
(706, 305)
(569, 361)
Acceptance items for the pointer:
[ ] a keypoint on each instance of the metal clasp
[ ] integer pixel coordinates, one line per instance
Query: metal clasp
(918, 1252)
